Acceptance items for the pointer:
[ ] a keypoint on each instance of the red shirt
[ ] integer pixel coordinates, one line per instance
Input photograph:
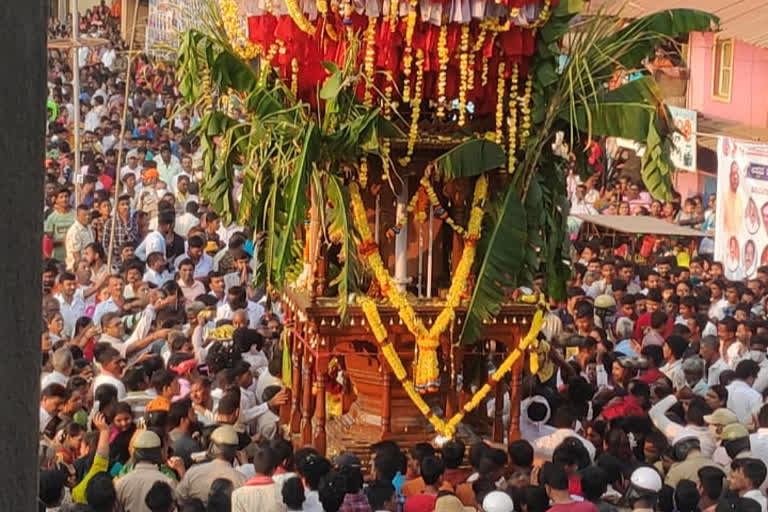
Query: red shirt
(420, 503)
(650, 376)
(645, 321)
(583, 506)
(628, 406)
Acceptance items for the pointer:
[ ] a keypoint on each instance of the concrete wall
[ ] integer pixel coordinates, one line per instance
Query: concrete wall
(749, 102)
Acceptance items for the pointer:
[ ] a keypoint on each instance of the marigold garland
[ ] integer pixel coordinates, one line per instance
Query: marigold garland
(369, 61)
(240, 42)
(442, 427)
(297, 15)
(442, 57)
(294, 76)
(500, 91)
(463, 74)
(512, 120)
(410, 26)
(426, 374)
(363, 171)
(413, 132)
(525, 109)
(440, 212)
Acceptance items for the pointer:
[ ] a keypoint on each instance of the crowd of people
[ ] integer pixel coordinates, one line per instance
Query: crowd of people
(625, 195)
(161, 371)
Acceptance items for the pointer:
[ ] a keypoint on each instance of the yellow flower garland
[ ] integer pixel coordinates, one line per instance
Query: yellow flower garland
(525, 109)
(443, 428)
(443, 57)
(427, 372)
(240, 42)
(463, 74)
(294, 76)
(297, 15)
(432, 195)
(512, 121)
(500, 91)
(369, 61)
(413, 132)
(410, 26)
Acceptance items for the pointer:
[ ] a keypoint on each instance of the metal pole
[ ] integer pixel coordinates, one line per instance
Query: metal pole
(401, 240)
(429, 253)
(76, 94)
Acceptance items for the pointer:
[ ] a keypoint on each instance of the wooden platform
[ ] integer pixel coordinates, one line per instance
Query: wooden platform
(380, 408)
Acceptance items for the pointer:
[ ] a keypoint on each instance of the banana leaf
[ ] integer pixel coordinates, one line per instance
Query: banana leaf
(471, 158)
(503, 250)
(638, 39)
(340, 227)
(294, 197)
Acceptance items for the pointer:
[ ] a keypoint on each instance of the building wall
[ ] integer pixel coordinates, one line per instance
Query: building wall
(749, 101)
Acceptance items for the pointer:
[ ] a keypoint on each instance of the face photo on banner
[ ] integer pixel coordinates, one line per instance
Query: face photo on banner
(741, 238)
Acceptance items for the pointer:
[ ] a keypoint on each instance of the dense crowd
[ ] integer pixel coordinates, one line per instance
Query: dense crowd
(162, 364)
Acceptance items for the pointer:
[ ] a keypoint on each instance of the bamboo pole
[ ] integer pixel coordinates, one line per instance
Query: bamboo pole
(76, 95)
(121, 140)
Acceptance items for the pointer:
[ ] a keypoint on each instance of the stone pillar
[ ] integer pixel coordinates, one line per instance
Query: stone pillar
(22, 110)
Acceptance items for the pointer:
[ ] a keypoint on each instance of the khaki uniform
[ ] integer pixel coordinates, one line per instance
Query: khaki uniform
(132, 489)
(198, 479)
(689, 469)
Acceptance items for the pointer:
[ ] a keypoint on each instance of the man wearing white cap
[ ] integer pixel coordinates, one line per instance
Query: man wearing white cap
(498, 501)
(687, 451)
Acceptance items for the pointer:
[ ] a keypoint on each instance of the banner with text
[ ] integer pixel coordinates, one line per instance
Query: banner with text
(741, 225)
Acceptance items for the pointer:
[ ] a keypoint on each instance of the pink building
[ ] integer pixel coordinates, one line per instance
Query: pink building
(727, 85)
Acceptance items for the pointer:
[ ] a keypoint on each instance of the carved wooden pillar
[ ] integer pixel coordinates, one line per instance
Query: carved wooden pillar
(498, 412)
(386, 403)
(514, 401)
(321, 376)
(306, 397)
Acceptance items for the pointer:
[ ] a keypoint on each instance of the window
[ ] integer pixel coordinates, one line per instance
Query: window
(722, 76)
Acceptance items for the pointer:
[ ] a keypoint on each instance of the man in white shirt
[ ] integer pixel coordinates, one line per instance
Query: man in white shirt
(563, 421)
(112, 367)
(671, 430)
(71, 302)
(155, 240)
(62, 367)
(757, 352)
(709, 350)
(717, 302)
(746, 477)
(132, 166)
(731, 349)
(758, 441)
(114, 303)
(236, 299)
(196, 253)
(190, 287)
(78, 236)
(168, 165)
(52, 400)
(189, 219)
(156, 272)
(674, 348)
(742, 399)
